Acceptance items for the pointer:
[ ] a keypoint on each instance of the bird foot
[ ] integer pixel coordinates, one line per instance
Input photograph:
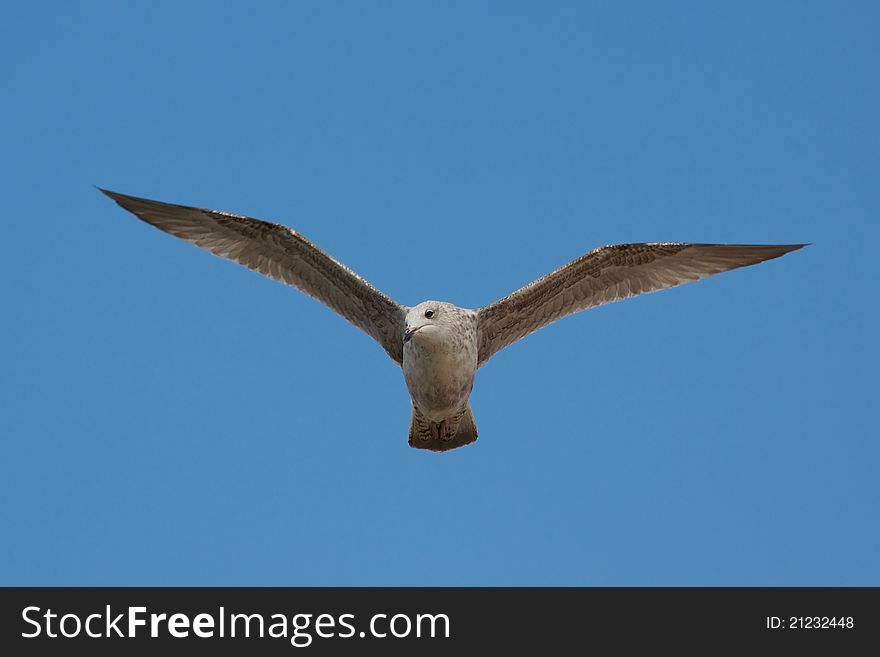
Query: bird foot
(446, 431)
(440, 431)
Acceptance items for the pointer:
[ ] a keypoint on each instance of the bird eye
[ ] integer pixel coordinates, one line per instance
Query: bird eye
(429, 314)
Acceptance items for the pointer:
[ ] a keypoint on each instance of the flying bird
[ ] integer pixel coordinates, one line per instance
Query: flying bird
(439, 345)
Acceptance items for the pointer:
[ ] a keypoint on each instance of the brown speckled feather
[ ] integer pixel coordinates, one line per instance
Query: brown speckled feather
(607, 274)
(284, 255)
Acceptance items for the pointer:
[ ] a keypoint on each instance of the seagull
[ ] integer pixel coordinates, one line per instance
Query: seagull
(439, 345)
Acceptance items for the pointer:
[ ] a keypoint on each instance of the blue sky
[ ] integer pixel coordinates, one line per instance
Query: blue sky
(171, 418)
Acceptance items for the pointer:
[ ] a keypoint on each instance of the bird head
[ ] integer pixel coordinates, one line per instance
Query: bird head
(429, 319)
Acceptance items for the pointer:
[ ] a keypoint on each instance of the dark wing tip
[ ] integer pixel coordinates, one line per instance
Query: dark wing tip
(778, 250)
(751, 254)
(145, 208)
(764, 251)
(107, 192)
(121, 199)
(783, 249)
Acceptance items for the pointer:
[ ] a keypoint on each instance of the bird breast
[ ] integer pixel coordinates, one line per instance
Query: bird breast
(439, 372)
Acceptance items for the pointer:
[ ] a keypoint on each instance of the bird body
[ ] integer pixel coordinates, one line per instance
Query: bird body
(438, 345)
(439, 364)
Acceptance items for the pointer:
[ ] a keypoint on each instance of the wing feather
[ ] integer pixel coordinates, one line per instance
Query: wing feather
(608, 274)
(284, 255)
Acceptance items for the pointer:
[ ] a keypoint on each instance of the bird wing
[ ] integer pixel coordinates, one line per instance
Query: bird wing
(607, 274)
(284, 255)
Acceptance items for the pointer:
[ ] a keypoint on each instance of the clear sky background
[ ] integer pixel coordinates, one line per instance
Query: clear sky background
(172, 418)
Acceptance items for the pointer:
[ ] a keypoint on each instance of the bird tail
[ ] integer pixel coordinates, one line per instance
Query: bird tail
(420, 433)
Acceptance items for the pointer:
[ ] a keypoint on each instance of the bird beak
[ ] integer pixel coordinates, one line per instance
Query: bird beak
(409, 332)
